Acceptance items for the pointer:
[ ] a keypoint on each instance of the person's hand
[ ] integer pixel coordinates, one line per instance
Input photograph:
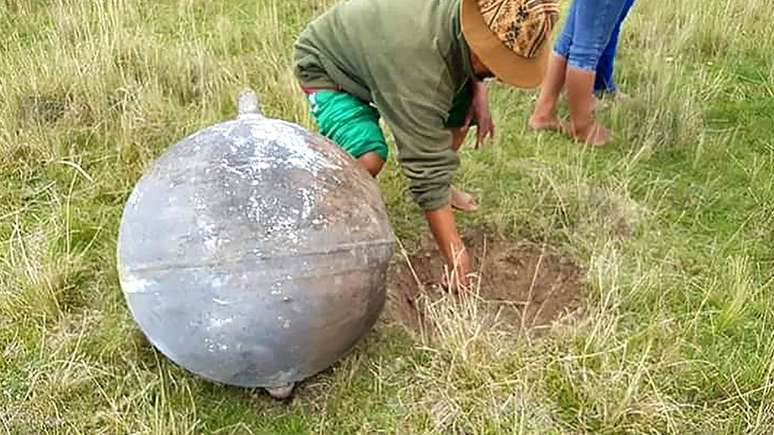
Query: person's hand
(452, 248)
(479, 110)
(461, 276)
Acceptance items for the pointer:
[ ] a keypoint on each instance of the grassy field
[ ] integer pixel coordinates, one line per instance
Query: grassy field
(673, 223)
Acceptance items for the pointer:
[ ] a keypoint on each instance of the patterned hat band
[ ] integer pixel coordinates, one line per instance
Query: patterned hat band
(521, 25)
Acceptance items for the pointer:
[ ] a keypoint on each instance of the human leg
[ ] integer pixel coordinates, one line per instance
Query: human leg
(582, 125)
(461, 200)
(353, 125)
(371, 162)
(544, 115)
(594, 24)
(605, 82)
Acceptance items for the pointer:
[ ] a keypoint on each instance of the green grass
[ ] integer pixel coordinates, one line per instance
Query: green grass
(674, 223)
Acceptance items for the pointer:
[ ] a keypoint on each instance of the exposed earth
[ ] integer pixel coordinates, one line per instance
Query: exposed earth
(522, 285)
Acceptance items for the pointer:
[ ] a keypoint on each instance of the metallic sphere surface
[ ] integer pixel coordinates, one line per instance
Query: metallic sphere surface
(254, 252)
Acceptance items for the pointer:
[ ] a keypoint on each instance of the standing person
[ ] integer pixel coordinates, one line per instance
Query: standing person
(573, 65)
(420, 65)
(604, 83)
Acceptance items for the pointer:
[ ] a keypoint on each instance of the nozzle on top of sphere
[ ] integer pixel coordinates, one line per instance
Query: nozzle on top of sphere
(249, 103)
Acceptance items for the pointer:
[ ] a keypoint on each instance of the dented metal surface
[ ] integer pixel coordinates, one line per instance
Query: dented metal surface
(254, 252)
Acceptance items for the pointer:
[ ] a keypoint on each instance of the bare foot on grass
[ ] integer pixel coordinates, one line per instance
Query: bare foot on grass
(463, 201)
(545, 123)
(593, 134)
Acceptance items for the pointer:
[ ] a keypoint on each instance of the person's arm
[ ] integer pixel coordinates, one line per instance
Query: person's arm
(444, 230)
(429, 162)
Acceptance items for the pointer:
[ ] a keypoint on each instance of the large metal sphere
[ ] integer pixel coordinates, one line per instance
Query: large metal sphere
(254, 252)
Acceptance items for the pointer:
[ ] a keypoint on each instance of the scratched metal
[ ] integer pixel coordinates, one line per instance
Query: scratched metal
(254, 252)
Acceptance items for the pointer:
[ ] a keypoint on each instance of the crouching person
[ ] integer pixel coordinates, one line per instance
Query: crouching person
(420, 65)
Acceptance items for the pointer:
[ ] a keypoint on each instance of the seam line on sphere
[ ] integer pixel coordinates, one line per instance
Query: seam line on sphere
(262, 258)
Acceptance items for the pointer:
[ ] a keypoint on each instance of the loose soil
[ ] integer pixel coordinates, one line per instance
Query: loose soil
(522, 285)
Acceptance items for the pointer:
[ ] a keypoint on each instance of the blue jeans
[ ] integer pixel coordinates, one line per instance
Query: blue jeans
(605, 81)
(587, 32)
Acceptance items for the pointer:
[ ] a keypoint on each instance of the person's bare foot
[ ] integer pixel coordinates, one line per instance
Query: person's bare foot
(542, 123)
(593, 134)
(463, 201)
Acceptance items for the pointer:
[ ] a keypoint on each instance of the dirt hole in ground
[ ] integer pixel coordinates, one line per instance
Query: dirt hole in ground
(523, 285)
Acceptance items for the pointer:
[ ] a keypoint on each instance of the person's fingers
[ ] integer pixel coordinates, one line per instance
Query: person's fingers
(485, 132)
(481, 137)
(468, 119)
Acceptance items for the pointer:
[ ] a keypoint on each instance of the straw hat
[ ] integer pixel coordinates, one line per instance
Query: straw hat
(511, 37)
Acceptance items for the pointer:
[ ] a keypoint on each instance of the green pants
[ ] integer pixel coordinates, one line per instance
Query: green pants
(353, 124)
